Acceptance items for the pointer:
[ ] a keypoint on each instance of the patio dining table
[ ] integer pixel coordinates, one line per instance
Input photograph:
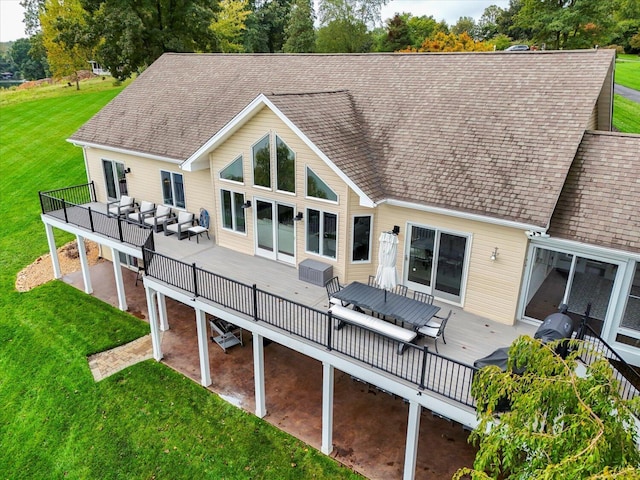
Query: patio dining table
(388, 304)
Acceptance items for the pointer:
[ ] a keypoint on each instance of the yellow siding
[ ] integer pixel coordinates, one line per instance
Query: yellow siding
(241, 143)
(492, 287)
(143, 183)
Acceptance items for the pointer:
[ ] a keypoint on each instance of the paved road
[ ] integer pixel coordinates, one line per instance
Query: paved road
(628, 93)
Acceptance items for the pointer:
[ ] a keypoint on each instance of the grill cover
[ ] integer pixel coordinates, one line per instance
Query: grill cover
(555, 327)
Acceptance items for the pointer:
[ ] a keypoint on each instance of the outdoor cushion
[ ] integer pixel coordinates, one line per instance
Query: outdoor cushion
(386, 328)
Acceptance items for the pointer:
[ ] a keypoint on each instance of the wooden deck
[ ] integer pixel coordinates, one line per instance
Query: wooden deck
(469, 337)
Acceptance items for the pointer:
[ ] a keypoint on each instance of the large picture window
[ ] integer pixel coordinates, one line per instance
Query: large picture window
(322, 232)
(172, 189)
(361, 248)
(262, 163)
(317, 188)
(286, 167)
(233, 216)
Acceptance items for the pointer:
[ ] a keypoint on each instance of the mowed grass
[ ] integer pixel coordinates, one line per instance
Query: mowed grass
(626, 115)
(628, 71)
(55, 421)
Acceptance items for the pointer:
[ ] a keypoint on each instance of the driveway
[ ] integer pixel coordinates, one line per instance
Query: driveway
(626, 92)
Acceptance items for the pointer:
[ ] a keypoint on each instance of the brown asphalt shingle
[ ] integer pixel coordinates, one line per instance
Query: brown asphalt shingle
(486, 133)
(600, 201)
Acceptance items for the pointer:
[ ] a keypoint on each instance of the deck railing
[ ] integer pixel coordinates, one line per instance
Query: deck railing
(72, 205)
(627, 375)
(416, 364)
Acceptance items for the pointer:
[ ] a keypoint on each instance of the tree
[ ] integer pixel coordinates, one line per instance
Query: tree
(565, 24)
(32, 11)
(266, 26)
(398, 36)
(343, 36)
(66, 38)
(443, 42)
(300, 33)
(28, 57)
(420, 28)
(132, 34)
(230, 24)
(351, 11)
(465, 24)
(488, 23)
(559, 424)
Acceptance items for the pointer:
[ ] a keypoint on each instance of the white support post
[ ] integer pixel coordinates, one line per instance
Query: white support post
(411, 450)
(327, 408)
(153, 323)
(162, 311)
(53, 251)
(258, 374)
(117, 271)
(203, 348)
(84, 264)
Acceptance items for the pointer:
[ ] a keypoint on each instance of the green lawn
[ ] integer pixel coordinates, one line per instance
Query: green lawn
(55, 421)
(628, 71)
(626, 115)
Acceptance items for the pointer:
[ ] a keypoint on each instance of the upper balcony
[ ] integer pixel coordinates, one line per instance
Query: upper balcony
(269, 293)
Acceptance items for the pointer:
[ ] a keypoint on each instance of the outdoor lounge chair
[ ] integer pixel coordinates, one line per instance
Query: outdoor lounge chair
(225, 334)
(121, 207)
(140, 212)
(435, 330)
(179, 225)
(155, 218)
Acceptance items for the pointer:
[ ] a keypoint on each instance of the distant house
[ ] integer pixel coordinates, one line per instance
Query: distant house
(6, 76)
(97, 69)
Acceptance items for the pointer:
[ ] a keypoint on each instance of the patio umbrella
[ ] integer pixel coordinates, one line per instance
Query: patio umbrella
(387, 276)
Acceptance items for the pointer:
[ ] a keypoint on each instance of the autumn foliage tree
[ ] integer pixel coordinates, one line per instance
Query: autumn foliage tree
(66, 38)
(450, 42)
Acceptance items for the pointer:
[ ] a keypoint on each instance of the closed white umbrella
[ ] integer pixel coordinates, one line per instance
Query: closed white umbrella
(387, 275)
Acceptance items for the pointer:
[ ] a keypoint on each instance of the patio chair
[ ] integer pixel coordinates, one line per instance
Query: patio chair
(372, 281)
(121, 207)
(333, 286)
(435, 330)
(423, 297)
(401, 290)
(179, 225)
(155, 218)
(140, 212)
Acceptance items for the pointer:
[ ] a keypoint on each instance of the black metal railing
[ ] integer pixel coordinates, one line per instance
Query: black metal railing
(627, 376)
(415, 364)
(72, 205)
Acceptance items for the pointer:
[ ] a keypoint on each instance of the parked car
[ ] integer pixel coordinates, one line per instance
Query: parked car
(517, 48)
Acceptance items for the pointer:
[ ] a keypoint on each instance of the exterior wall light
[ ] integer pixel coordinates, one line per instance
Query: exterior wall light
(494, 254)
(298, 217)
(247, 204)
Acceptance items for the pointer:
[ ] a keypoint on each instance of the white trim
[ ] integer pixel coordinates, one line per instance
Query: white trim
(467, 216)
(353, 231)
(574, 246)
(125, 151)
(194, 162)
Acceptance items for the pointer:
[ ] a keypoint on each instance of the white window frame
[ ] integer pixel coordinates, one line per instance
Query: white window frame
(320, 252)
(317, 199)
(173, 189)
(274, 163)
(235, 182)
(353, 237)
(253, 163)
(234, 226)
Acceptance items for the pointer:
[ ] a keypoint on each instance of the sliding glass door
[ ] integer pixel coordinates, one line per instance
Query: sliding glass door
(115, 179)
(275, 231)
(435, 262)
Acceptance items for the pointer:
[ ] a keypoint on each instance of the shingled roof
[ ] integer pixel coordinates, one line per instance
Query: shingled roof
(600, 200)
(487, 133)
